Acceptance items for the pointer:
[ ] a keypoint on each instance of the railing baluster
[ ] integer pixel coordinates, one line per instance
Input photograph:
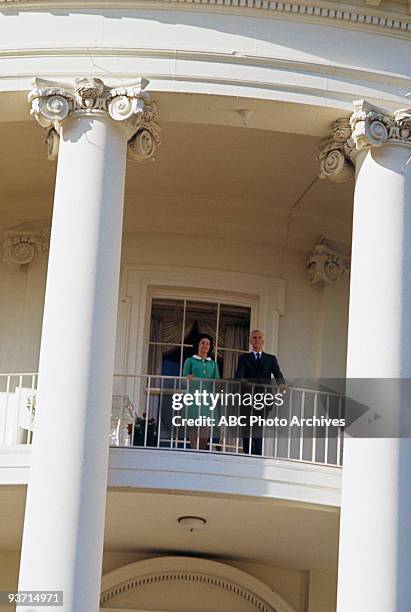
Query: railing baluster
(264, 412)
(327, 414)
(147, 412)
(175, 428)
(300, 455)
(223, 430)
(276, 430)
(133, 413)
(185, 414)
(159, 419)
(250, 439)
(153, 393)
(237, 433)
(211, 414)
(289, 430)
(339, 433)
(199, 415)
(314, 428)
(17, 407)
(118, 427)
(6, 409)
(32, 407)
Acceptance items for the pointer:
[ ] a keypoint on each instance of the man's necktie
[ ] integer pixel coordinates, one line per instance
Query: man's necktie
(258, 360)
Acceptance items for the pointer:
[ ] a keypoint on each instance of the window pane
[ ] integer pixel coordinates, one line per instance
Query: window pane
(166, 321)
(201, 318)
(165, 337)
(234, 327)
(164, 359)
(227, 362)
(167, 355)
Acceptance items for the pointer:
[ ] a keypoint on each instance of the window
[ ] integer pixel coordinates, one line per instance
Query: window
(176, 325)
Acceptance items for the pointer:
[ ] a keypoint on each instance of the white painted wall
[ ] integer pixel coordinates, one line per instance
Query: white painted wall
(312, 332)
(322, 593)
(21, 312)
(9, 569)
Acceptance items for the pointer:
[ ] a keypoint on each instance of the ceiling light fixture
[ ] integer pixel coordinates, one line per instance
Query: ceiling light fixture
(192, 523)
(245, 115)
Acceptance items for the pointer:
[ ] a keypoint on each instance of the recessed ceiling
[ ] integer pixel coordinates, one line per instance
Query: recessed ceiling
(226, 182)
(262, 530)
(266, 531)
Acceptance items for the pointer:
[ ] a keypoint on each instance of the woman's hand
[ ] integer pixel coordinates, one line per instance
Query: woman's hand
(190, 376)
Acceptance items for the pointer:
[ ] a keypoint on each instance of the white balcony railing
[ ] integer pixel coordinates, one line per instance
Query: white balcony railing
(17, 408)
(142, 416)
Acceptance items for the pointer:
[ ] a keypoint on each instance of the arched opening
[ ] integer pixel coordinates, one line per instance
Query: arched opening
(185, 584)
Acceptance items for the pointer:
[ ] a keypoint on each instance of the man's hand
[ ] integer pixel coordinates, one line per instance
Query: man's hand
(282, 388)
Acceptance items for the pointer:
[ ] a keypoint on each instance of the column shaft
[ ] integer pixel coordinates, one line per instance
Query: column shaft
(375, 541)
(64, 521)
(379, 343)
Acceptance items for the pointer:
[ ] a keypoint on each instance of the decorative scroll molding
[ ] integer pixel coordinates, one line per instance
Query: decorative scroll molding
(325, 265)
(52, 141)
(368, 127)
(22, 247)
(372, 128)
(369, 18)
(336, 153)
(131, 105)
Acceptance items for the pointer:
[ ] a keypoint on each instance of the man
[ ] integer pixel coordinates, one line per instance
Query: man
(257, 367)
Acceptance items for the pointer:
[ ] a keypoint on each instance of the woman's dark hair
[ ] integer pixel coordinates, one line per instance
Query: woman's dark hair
(200, 337)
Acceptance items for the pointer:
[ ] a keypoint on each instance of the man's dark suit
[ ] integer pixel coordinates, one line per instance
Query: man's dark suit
(258, 374)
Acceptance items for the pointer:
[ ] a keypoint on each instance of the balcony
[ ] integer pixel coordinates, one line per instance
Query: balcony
(143, 417)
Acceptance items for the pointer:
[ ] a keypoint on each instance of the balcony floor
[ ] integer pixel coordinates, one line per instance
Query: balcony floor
(271, 511)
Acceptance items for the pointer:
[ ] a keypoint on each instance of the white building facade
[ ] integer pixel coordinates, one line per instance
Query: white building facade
(208, 167)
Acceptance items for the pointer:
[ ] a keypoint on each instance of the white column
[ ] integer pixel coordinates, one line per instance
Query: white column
(375, 536)
(64, 519)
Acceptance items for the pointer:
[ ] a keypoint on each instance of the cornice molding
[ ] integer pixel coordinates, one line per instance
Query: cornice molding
(51, 103)
(342, 71)
(287, 80)
(21, 247)
(367, 17)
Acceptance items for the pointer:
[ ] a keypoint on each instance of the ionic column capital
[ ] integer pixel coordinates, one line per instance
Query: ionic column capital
(52, 103)
(372, 127)
(336, 153)
(23, 246)
(367, 127)
(325, 265)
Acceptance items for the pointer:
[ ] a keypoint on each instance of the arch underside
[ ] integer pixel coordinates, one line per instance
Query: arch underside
(183, 584)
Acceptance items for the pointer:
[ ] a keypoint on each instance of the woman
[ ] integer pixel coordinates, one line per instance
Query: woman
(201, 366)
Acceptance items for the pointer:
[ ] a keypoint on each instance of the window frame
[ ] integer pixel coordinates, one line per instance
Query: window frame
(139, 282)
(188, 295)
